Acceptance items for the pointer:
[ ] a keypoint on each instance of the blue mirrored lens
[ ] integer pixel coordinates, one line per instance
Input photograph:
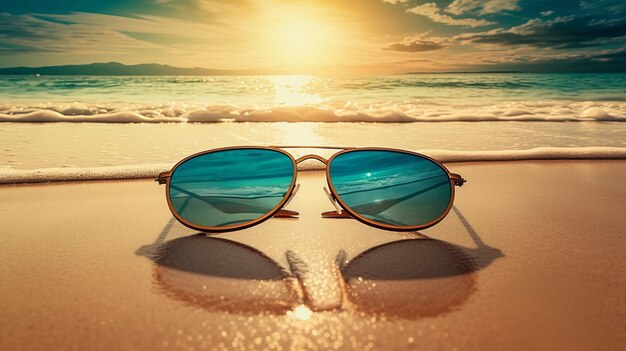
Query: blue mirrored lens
(391, 187)
(230, 187)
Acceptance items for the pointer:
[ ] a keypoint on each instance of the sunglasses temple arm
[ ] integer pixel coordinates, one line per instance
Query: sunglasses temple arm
(195, 196)
(374, 209)
(335, 214)
(338, 213)
(285, 213)
(456, 178)
(282, 213)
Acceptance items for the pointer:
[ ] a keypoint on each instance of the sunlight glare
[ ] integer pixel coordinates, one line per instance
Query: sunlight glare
(290, 90)
(301, 134)
(301, 312)
(303, 42)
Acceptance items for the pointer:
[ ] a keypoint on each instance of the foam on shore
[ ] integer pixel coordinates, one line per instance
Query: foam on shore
(43, 175)
(331, 111)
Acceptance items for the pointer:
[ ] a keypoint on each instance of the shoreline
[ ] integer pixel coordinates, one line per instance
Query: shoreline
(144, 172)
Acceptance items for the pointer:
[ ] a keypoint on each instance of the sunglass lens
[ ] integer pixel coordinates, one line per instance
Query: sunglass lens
(391, 187)
(230, 187)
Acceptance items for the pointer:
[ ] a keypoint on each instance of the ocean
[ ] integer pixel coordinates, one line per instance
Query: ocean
(150, 122)
(400, 98)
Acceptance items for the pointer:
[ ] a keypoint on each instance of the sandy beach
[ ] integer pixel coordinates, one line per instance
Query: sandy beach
(530, 257)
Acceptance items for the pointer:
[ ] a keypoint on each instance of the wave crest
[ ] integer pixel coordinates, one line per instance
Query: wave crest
(334, 111)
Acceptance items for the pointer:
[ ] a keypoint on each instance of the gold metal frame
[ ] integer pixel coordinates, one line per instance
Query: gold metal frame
(343, 211)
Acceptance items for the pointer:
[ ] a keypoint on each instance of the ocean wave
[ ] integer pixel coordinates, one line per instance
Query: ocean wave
(334, 111)
(42, 175)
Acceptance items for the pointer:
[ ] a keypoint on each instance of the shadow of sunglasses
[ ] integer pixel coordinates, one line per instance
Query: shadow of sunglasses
(216, 274)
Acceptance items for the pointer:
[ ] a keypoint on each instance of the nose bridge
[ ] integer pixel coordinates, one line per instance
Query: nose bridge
(312, 156)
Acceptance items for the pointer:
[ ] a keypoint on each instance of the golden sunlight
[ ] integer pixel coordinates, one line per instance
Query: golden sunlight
(290, 90)
(301, 134)
(301, 312)
(302, 39)
(299, 43)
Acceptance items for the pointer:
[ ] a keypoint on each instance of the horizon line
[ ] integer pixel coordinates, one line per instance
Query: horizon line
(188, 71)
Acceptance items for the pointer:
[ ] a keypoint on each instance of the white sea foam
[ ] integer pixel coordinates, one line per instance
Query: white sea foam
(110, 117)
(20, 176)
(41, 175)
(333, 111)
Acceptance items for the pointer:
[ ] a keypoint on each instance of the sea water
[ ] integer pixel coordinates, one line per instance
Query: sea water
(400, 98)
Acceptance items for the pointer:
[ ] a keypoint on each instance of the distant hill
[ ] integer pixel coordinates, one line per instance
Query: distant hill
(465, 72)
(119, 69)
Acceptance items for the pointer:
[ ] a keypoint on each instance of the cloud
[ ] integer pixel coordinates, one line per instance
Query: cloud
(418, 60)
(26, 33)
(431, 11)
(418, 43)
(614, 55)
(559, 33)
(224, 39)
(603, 61)
(483, 7)
(414, 46)
(90, 37)
(603, 5)
(547, 13)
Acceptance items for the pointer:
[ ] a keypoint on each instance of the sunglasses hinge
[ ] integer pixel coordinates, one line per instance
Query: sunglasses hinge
(457, 179)
(162, 178)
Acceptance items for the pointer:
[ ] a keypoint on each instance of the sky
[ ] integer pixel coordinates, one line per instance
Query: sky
(320, 36)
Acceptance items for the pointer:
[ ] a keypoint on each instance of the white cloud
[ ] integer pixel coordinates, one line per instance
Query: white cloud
(431, 11)
(483, 7)
(89, 37)
(419, 43)
(568, 32)
(495, 6)
(33, 34)
(458, 7)
(395, 1)
(547, 13)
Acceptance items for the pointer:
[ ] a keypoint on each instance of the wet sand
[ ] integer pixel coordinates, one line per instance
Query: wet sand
(530, 257)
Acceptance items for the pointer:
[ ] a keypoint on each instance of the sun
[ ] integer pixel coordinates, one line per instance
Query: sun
(303, 38)
(302, 42)
(298, 37)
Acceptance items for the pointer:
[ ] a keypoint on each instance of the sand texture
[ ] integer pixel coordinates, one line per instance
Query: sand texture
(530, 257)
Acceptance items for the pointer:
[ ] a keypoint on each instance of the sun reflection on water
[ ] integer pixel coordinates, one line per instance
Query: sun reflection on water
(291, 90)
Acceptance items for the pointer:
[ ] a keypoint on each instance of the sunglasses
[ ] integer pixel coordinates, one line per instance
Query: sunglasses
(234, 188)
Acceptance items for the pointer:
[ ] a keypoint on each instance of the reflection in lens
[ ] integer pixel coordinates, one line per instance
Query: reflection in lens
(230, 187)
(391, 187)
